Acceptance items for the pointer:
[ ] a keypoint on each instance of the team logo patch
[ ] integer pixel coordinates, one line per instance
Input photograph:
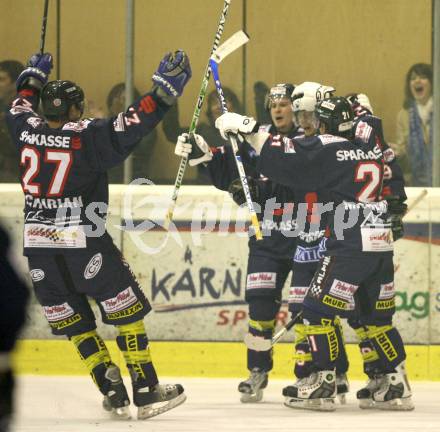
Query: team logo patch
(93, 266)
(265, 280)
(58, 312)
(343, 290)
(122, 301)
(37, 275)
(386, 291)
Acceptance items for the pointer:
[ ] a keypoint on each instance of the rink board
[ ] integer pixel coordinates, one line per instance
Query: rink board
(203, 359)
(195, 274)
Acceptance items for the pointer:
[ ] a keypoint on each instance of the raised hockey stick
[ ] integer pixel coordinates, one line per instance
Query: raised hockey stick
(196, 115)
(43, 26)
(238, 162)
(258, 343)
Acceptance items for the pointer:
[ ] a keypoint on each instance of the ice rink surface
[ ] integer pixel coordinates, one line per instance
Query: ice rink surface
(73, 404)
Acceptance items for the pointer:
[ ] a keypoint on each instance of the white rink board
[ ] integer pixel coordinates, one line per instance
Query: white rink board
(196, 280)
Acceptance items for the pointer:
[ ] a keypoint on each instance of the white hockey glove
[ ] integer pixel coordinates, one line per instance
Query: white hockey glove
(197, 153)
(234, 123)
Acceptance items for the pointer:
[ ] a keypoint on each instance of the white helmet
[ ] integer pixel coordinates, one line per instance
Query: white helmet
(308, 94)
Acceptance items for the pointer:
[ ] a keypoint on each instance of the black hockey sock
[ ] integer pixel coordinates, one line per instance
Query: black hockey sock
(261, 359)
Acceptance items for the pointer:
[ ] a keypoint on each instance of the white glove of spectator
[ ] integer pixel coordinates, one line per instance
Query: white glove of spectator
(196, 154)
(234, 123)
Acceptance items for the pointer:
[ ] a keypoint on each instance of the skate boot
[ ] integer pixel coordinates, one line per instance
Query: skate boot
(316, 392)
(116, 398)
(152, 401)
(365, 394)
(252, 389)
(342, 387)
(394, 393)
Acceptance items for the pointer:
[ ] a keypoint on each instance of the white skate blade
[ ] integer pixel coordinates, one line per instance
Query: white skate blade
(251, 397)
(257, 343)
(342, 398)
(321, 404)
(122, 413)
(402, 404)
(154, 409)
(366, 404)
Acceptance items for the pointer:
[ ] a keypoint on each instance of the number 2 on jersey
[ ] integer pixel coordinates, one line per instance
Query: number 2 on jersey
(31, 158)
(370, 173)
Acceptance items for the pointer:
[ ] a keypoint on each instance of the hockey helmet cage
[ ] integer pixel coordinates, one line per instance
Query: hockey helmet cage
(337, 114)
(308, 94)
(279, 91)
(58, 96)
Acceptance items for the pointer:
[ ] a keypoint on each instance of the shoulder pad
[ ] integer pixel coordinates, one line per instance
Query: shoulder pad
(363, 131)
(388, 155)
(77, 126)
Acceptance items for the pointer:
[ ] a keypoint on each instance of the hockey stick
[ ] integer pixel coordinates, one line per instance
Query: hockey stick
(417, 200)
(196, 115)
(237, 157)
(258, 343)
(43, 26)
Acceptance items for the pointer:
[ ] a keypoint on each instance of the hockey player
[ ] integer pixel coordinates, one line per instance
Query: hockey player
(270, 259)
(13, 299)
(358, 265)
(394, 192)
(64, 160)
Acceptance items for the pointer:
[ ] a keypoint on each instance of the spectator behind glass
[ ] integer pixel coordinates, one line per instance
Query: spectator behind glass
(9, 71)
(172, 128)
(414, 131)
(142, 154)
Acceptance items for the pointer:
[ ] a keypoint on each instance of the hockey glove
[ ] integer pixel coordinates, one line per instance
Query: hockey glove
(37, 72)
(232, 123)
(172, 74)
(195, 149)
(236, 190)
(396, 210)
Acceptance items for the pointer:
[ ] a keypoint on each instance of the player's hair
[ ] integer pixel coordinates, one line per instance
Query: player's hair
(229, 96)
(116, 90)
(421, 69)
(12, 67)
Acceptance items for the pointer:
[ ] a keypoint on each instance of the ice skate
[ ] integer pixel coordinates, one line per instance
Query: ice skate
(252, 389)
(342, 388)
(152, 401)
(394, 393)
(365, 394)
(316, 392)
(116, 400)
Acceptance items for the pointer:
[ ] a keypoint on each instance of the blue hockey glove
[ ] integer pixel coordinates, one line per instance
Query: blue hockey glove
(173, 73)
(38, 70)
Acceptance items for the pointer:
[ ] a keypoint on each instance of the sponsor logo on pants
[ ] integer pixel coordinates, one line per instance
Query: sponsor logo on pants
(126, 312)
(334, 302)
(385, 304)
(59, 325)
